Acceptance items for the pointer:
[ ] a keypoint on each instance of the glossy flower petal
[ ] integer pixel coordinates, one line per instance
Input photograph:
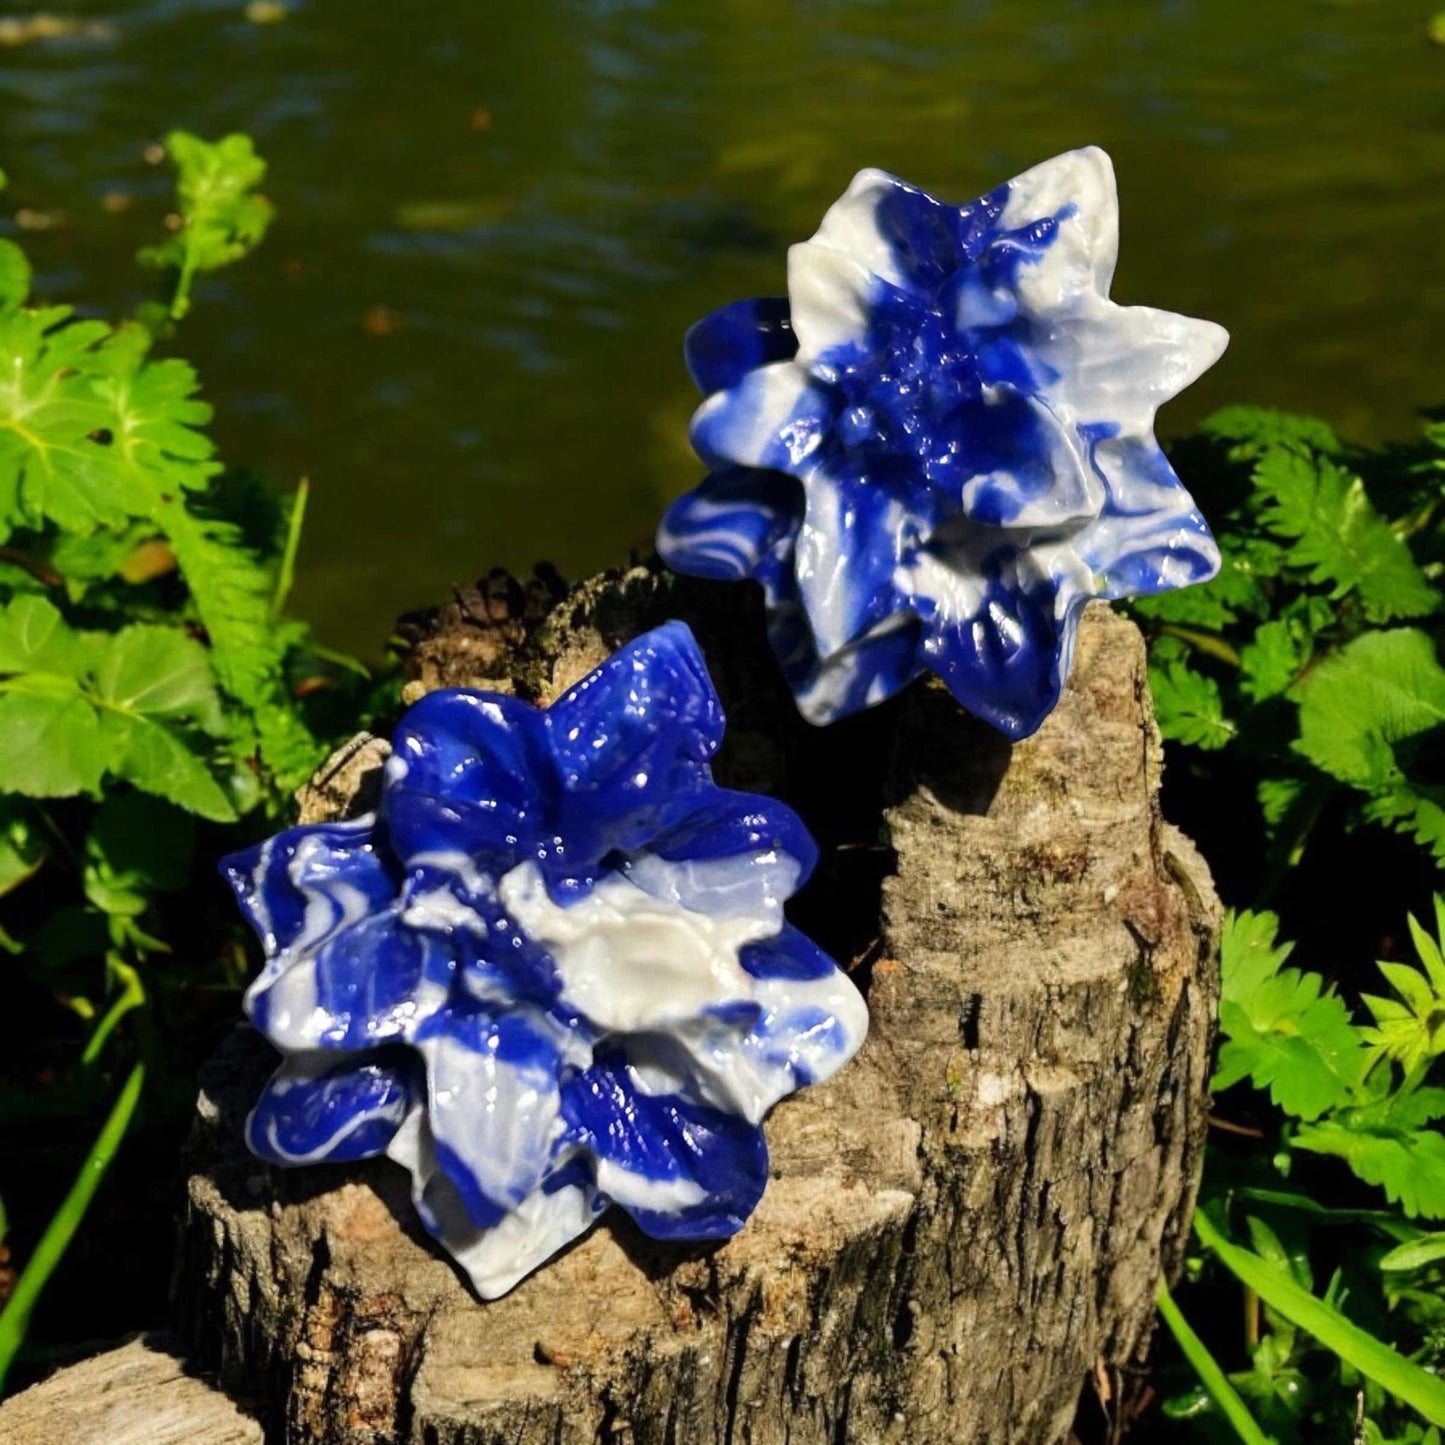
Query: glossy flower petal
(315, 1110)
(967, 423)
(552, 973)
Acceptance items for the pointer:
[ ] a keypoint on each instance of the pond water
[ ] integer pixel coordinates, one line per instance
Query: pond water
(497, 219)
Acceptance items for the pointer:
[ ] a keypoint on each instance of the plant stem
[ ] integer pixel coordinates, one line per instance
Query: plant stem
(287, 573)
(132, 995)
(15, 1317)
(1211, 1376)
(1206, 642)
(181, 300)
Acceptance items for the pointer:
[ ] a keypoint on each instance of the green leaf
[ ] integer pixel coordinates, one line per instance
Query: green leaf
(1189, 707)
(34, 638)
(1410, 1028)
(1213, 1378)
(1409, 1164)
(14, 276)
(138, 846)
(1374, 693)
(1283, 1030)
(1416, 810)
(158, 421)
(222, 217)
(83, 561)
(1272, 660)
(1415, 1254)
(50, 743)
(157, 671)
(1254, 430)
(1338, 537)
(15, 1317)
(160, 760)
(22, 844)
(51, 463)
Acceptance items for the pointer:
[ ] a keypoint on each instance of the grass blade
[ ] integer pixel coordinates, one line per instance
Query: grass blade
(1211, 1376)
(15, 1318)
(287, 573)
(1405, 1380)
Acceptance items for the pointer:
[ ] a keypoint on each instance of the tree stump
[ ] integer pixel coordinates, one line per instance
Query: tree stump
(961, 1231)
(139, 1393)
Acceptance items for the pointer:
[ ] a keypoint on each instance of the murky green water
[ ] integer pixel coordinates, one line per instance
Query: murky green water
(497, 219)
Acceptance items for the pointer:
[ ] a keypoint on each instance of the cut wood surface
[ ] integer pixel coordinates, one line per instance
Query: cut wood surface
(963, 1231)
(138, 1394)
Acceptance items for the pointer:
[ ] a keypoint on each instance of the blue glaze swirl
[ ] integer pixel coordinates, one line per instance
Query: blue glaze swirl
(941, 445)
(551, 973)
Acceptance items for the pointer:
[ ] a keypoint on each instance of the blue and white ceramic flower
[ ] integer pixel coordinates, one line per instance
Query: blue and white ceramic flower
(551, 973)
(941, 445)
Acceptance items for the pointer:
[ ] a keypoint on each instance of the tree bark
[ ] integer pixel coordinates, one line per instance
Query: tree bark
(962, 1230)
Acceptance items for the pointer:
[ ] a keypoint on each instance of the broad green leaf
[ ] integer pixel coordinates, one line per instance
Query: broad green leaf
(147, 843)
(160, 760)
(35, 638)
(1189, 707)
(14, 276)
(158, 419)
(23, 845)
(53, 452)
(1338, 536)
(1283, 1030)
(1374, 693)
(50, 743)
(156, 671)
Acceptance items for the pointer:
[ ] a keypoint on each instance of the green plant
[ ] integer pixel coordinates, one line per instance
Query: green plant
(1361, 1093)
(1305, 682)
(1312, 657)
(155, 707)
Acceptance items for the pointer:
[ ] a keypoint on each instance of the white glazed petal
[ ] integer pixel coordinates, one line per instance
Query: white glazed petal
(630, 960)
(748, 885)
(1151, 517)
(1083, 255)
(791, 1044)
(497, 1116)
(1124, 362)
(497, 1257)
(850, 226)
(829, 295)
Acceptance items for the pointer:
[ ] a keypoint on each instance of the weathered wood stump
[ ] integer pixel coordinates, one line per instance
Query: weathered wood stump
(140, 1393)
(961, 1231)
